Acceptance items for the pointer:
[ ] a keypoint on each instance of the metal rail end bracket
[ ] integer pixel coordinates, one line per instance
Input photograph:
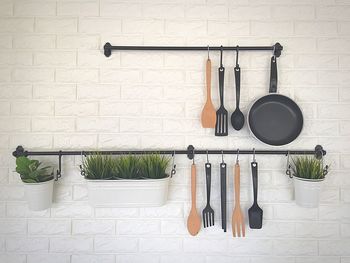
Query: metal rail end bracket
(277, 49)
(107, 49)
(19, 152)
(190, 152)
(319, 152)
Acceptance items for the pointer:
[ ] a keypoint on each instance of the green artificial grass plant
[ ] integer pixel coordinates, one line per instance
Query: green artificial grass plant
(99, 166)
(308, 168)
(128, 167)
(150, 166)
(154, 166)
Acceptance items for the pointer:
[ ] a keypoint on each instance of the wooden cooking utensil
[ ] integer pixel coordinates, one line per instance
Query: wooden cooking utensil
(238, 226)
(194, 220)
(208, 117)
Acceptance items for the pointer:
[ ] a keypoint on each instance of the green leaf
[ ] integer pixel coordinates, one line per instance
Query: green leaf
(31, 172)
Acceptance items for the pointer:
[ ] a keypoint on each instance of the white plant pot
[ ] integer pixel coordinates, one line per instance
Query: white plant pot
(307, 192)
(128, 193)
(39, 195)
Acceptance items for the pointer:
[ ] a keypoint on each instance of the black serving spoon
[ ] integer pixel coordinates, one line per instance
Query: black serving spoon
(237, 117)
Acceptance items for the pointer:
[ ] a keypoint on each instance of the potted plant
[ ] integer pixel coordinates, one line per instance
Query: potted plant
(126, 181)
(38, 183)
(308, 177)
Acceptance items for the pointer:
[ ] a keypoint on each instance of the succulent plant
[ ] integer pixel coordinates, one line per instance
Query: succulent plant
(31, 172)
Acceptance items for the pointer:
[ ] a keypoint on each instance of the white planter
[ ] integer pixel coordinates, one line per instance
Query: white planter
(128, 193)
(307, 192)
(39, 195)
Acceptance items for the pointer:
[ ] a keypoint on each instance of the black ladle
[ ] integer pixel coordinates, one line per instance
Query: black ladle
(237, 117)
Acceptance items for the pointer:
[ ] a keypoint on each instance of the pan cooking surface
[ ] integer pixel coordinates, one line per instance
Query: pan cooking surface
(275, 119)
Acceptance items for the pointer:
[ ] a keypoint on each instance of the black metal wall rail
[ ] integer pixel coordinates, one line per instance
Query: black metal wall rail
(318, 152)
(276, 48)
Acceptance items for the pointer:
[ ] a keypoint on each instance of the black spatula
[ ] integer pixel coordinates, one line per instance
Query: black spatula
(221, 128)
(255, 212)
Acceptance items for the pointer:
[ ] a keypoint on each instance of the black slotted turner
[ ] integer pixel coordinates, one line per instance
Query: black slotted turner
(221, 127)
(255, 212)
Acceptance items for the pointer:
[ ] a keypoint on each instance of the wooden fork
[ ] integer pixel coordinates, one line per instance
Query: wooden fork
(238, 226)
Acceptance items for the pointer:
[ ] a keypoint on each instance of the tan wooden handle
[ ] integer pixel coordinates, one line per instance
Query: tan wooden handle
(193, 184)
(208, 78)
(237, 184)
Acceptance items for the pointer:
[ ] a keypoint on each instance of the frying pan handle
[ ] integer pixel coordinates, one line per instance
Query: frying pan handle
(273, 75)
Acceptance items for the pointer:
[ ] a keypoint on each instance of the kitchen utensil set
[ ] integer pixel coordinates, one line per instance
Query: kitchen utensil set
(238, 223)
(220, 120)
(273, 119)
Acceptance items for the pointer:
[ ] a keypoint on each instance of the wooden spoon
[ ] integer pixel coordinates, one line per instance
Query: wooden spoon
(194, 220)
(208, 117)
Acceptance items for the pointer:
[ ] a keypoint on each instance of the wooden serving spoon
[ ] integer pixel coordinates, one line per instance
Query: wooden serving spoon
(194, 220)
(208, 117)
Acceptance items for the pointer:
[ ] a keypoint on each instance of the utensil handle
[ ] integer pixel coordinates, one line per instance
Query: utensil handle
(237, 183)
(238, 84)
(208, 179)
(208, 78)
(221, 84)
(273, 75)
(223, 195)
(193, 184)
(254, 166)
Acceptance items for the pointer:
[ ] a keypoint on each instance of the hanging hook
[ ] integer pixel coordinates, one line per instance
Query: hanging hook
(173, 170)
(274, 53)
(221, 50)
(288, 168)
(237, 51)
(207, 157)
(81, 166)
(237, 160)
(193, 158)
(324, 168)
(222, 156)
(254, 160)
(208, 53)
(58, 171)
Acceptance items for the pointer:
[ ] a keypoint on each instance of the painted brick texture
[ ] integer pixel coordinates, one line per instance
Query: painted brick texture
(58, 91)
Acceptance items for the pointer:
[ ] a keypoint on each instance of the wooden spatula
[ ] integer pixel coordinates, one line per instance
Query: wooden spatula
(208, 117)
(194, 220)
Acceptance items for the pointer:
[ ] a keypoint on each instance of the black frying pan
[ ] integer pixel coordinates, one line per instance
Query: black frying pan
(275, 119)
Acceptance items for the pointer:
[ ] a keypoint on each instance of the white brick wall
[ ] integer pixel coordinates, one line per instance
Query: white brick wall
(57, 90)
